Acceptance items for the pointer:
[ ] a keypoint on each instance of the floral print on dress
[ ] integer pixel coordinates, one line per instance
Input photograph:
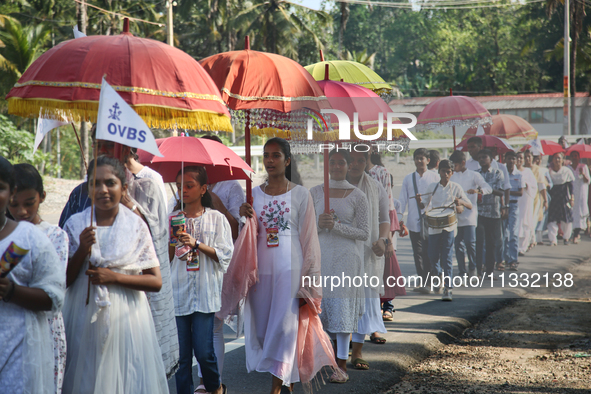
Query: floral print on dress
(273, 215)
(59, 240)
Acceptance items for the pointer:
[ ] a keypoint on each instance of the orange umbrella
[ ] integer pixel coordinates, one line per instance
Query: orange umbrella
(163, 84)
(506, 126)
(267, 90)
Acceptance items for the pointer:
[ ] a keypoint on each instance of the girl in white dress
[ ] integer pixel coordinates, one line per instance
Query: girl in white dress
(287, 251)
(24, 206)
(112, 343)
(31, 293)
(581, 194)
(197, 281)
(342, 233)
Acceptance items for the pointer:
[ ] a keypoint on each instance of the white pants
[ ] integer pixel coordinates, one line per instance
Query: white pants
(567, 229)
(342, 339)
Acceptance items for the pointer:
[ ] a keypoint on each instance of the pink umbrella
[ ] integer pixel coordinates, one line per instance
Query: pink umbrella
(584, 150)
(489, 141)
(452, 111)
(221, 162)
(549, 148)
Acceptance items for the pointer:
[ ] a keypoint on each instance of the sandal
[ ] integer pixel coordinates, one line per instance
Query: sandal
(378, 340)
(501, 267)
(339, 376)
(200, 389)
(360, 363)
(513, 267)
(387, 316)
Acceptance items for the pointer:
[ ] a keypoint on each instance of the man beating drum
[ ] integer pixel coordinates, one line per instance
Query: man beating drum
(445, 199)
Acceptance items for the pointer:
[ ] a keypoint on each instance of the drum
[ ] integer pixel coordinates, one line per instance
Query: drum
(441, 217)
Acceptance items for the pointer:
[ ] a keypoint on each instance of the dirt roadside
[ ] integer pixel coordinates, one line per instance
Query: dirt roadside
(536, 344)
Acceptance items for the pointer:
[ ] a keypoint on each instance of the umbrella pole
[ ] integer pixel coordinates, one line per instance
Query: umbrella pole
(247, 156)
(454, 131)
(92, 210)
(80, 146)
(326, 185)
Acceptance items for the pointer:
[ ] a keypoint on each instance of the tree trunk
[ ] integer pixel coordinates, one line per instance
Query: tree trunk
(344, 19)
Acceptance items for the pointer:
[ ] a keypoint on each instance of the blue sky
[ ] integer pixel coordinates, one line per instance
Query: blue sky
(315, 4)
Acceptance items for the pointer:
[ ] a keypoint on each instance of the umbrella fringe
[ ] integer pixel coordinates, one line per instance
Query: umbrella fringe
(154, 116)
(330, 136)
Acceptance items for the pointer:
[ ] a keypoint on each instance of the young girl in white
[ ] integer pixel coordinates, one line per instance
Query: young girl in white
(24, 206)
(112, 343)
(31, 293)
(197, 281)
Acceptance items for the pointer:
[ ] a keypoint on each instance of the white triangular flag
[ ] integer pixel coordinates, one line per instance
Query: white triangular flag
(44, 126)
(480, 130)
(118, 122)
(535, 147)
(78, 33)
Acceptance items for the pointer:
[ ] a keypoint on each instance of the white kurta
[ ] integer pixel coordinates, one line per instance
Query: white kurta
(581, 192)
(272, 309)
(26, 353)
(59, 240)
(112, 342)
(526, 208)
(342, 257)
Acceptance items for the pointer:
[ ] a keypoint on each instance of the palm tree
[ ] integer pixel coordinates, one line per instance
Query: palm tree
(280, 24)
(362, 57)
(20, 46)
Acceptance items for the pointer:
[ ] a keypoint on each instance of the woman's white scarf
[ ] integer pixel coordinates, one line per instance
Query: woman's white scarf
(562, 176)
(374, 266)
(126, 245)
(344, 184)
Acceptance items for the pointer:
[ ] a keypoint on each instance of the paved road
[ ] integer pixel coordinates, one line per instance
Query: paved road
(421, 324)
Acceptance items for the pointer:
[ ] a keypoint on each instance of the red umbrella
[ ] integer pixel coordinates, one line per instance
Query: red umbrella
(252, 80)
(584, 150)
(506, 126)
(354, 99)
(452, 111)
(221, 162)
(163, 84)
(489, 141)
(549, 148)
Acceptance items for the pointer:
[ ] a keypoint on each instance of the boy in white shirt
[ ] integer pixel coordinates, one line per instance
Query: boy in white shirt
(414, 184)
(474, 185)
(444, 194)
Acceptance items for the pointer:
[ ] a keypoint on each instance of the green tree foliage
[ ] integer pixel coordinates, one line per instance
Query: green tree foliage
(504, 50)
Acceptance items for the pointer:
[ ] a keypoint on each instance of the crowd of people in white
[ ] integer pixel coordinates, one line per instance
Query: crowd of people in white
(105, 303)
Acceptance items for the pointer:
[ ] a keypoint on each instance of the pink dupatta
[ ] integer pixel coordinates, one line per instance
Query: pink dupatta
(314, 348)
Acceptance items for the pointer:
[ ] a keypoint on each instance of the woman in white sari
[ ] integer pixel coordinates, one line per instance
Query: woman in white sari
(112, 343)
(31, 293)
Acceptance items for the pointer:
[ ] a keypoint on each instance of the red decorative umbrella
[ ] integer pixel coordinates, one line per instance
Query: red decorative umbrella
(163, 84)
(549, 148)
(354, 99)
(506, 126)
(489, 141)
(221, 162)
(452, 111)
(584, 150)
(251, 80)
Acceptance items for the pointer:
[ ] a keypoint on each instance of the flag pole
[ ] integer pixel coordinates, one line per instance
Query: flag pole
(92, 209)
